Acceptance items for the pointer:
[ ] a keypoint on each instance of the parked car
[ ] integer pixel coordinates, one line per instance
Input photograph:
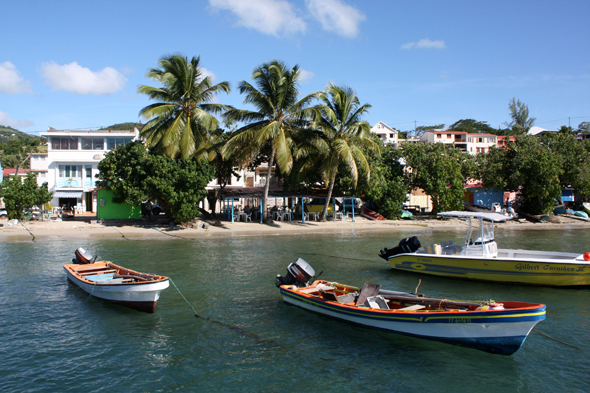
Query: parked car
(3, 213)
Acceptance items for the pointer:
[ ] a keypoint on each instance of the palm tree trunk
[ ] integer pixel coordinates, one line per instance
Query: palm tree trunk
(330, 189)
(267, 185)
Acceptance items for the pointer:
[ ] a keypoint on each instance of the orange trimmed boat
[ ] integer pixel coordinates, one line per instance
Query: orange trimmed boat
(485, 325)
(116, 284)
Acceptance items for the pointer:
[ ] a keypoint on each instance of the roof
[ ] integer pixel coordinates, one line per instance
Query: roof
(275, 192)
(12, 171)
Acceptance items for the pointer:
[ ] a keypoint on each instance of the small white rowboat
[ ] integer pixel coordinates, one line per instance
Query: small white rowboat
(116, 284)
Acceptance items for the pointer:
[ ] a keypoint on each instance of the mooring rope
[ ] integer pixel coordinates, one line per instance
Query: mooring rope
(30, 233)
(554, 339)
(227, 325)
(336, 256)
(122, 235)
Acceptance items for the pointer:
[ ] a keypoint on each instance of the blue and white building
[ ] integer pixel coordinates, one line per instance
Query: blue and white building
(71, 161)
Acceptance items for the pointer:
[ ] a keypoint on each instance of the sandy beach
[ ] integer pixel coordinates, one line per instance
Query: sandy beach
(84, 227)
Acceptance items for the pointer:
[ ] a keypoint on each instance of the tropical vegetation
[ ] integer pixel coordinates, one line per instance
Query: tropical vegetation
(279, 116)
(137, 175)
(180, 122)
(20, 195)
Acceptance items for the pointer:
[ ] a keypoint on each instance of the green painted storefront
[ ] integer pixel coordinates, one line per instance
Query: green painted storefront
(109, 210)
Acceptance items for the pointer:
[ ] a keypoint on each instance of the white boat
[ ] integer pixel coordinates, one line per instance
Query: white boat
(479, 258)
(116, 284)
(485, 325)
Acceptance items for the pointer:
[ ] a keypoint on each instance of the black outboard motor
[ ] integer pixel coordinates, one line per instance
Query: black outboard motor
(82, 257)
(298, 273)
(405, 246)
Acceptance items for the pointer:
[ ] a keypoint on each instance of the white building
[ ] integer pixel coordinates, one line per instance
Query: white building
(386, 133)
(466, 142)
(70, 163)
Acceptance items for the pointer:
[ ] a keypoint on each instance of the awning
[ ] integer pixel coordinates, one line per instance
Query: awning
(67, 194)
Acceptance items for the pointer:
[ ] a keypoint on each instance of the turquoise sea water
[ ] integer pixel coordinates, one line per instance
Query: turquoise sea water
(55, 338)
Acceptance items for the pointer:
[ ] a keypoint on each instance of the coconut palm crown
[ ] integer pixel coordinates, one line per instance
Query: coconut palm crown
(278, 117)
(180, 121)
(342, 133)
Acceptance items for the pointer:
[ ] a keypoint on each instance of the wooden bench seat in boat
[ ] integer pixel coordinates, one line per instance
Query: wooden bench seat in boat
(98, 272)
(104, 278)
(411, 308)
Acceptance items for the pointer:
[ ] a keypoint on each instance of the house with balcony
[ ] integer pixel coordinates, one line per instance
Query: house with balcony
(71, 163)
(464, 141)
(386, 133)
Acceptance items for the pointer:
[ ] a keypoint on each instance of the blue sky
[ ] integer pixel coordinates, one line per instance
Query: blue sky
(77, 64)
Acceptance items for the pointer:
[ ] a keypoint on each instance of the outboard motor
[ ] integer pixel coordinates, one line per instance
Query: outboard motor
(298, 273)
(405, 246)
(82, 256)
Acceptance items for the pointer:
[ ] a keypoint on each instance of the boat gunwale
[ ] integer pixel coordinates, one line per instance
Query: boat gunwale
(531, 310)
(75, 273)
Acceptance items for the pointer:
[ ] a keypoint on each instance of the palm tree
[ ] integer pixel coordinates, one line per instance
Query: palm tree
(342, 134)
(279, 116)
(180, 122)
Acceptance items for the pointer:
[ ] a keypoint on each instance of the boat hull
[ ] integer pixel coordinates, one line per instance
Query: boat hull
(532, 267)
(141, 296)
(499, 331)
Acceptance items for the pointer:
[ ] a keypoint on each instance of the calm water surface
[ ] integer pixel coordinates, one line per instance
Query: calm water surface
(57, 338)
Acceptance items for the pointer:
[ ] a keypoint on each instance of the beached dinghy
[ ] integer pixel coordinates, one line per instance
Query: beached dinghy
(478, 258)
(107, 281)
(496, 327)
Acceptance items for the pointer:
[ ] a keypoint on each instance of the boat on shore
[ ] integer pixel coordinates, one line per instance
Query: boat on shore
(532, 217)
(479, 258)
(114, 283)
(495, 327)
(370, 214)
(586, 206)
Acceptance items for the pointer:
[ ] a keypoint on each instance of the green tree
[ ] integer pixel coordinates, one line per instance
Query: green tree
(439, 171)
(342, 133)
(525, 166)
(473, 126)
(136, 175)
(521, 122)
(20, 196)
(584, 126)
(418, 131)
(573, 158)
(391, 188)
(180, 122)
(278, 116)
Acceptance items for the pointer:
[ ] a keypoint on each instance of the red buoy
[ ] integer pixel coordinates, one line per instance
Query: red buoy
(587, 256)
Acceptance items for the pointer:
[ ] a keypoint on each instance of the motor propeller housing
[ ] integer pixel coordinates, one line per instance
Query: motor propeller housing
(298, 273)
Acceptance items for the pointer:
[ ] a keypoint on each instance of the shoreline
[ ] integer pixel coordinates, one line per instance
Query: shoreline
(85, 227)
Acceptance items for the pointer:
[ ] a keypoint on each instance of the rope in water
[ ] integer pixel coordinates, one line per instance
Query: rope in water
(21, 222)
(227, 325)
(122, 235)
(339, 257)
(554, 339)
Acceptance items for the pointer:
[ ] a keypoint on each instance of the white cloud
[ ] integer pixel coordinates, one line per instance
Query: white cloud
(305, 76)
(10, 80)
(336, 16)
(6, 120)
(76, 79)
(425, 43)
(274, 17)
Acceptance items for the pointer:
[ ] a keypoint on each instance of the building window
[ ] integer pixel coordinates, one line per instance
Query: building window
(92, 143)
(68, 171)
(64, 143)
(438, 136)
(113, 143)
(88, 172)
(42, 175)
(449, 136)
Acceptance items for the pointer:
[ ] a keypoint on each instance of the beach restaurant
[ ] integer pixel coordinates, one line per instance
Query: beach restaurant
(245, 204)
